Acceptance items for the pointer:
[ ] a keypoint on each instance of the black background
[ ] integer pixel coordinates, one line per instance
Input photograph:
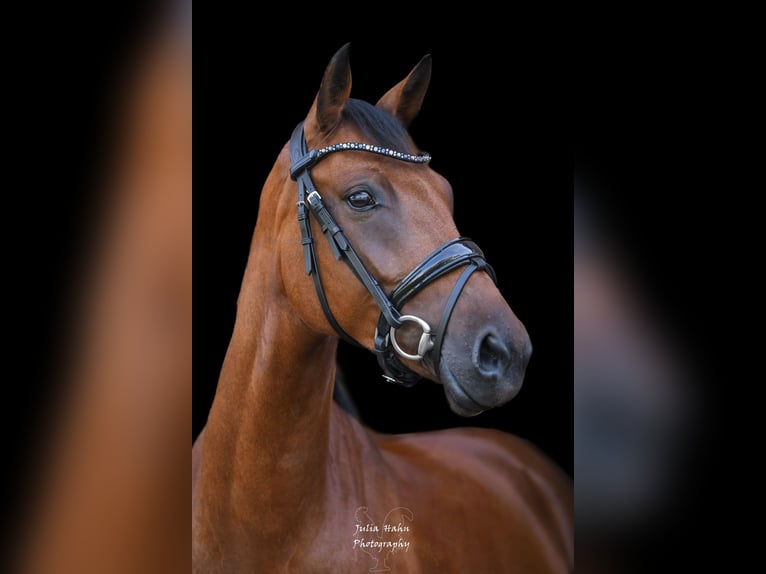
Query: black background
(494, 125)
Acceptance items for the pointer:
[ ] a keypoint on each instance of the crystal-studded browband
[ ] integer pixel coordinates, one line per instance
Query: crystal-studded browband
(308, 160)
(422, 157)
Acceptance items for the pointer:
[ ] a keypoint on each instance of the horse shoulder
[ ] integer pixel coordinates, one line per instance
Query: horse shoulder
(477, 453)
(489, 481)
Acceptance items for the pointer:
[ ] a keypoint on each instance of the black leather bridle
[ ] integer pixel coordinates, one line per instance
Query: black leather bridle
(455, 253)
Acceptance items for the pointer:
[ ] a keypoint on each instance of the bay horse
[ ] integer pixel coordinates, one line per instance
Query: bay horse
(283, 479)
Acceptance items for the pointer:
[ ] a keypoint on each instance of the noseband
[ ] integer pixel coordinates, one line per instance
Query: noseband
(455, 253)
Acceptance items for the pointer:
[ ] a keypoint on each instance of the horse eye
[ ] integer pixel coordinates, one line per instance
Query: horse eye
(360, 200)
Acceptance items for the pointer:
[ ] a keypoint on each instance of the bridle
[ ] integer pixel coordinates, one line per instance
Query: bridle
(455, 253)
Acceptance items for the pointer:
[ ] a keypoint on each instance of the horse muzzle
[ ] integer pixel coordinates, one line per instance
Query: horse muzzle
(484, 371)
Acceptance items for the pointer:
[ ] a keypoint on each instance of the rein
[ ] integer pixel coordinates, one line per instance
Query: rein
(455, 253)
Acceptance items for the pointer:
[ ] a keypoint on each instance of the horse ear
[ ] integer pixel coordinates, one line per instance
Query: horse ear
(403, 101)
(333, 91)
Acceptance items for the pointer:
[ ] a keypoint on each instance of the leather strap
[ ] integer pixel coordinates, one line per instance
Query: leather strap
(456, 291)
(451, 255)
(305, 187)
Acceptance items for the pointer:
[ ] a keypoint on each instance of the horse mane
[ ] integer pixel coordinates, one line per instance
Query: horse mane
(382, 128)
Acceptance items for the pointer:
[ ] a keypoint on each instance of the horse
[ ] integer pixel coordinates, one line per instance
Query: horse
(355, 239)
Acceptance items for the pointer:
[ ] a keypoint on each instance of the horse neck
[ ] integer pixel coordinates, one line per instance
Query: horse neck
(267, 435)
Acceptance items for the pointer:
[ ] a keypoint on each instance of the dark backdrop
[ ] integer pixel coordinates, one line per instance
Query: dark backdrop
(493, 121)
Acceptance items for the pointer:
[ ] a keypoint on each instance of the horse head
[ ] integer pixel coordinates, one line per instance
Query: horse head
(412, 290)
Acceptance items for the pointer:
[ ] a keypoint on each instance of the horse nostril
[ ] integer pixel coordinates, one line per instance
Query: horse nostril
(493, 356)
